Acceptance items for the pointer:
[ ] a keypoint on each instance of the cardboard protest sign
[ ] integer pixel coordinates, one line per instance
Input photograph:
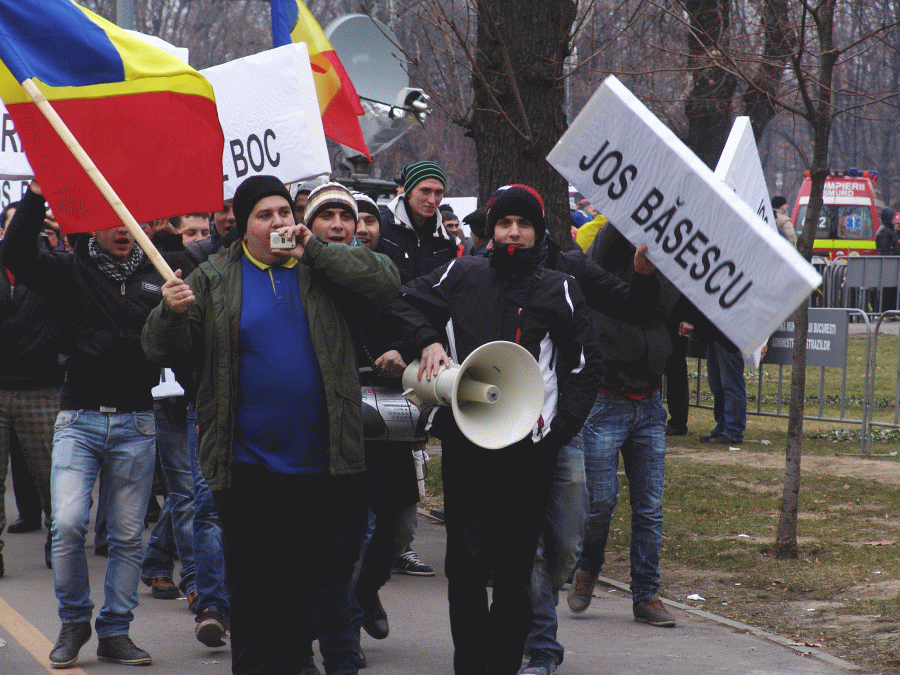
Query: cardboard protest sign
(741, 169)
(706, 241)
(270, 117)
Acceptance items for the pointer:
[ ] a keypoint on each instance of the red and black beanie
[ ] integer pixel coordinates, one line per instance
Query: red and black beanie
(517, 200)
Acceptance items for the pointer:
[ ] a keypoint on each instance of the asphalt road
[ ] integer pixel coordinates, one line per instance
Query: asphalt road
(605, 639)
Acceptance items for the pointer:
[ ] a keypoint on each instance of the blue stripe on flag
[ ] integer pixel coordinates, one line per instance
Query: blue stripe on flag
(56, 42)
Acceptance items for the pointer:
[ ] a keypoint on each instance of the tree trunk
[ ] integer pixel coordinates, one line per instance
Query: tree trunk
(709, 104)
(518, 99)
(780, 42)
(820, 113)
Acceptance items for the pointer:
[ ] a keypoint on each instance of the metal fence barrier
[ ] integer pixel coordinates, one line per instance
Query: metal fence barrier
(867, 393)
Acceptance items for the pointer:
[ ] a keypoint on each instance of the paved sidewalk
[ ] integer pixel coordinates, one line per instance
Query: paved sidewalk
(605, 640)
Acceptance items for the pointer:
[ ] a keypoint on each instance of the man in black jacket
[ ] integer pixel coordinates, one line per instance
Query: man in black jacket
(105, 427)
(30, 376)
(467, 303)
(413, 235)
(562, 529)
(627, 418)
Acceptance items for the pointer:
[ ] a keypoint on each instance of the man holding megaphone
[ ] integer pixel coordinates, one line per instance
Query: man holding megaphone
(466, 304)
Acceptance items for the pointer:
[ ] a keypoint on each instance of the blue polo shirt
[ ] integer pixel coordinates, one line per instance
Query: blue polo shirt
(281, 416)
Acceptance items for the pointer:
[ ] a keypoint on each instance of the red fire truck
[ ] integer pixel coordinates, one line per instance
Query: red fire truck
(850, 213)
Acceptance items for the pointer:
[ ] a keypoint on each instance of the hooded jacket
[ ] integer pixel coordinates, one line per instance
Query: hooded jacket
(414, 252)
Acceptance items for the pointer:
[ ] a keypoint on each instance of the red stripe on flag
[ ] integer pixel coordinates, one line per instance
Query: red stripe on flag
(340, 124)
(346, 84)
(160, 151)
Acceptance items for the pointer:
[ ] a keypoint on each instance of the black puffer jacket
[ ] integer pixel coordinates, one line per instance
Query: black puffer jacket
(469, 302)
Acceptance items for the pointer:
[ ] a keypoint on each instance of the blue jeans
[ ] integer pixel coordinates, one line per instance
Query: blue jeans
(559, 547)
(725, 372)
(209, 555)
(174, 532)
(120, 448)
(637, 430)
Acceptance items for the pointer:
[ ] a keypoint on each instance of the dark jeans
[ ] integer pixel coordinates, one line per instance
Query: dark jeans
(495, 501)
(290, 546)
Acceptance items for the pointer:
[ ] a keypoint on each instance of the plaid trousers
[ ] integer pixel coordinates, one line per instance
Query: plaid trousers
(31, 415)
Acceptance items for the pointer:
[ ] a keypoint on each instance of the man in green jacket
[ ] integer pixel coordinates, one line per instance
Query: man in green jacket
(278, 407)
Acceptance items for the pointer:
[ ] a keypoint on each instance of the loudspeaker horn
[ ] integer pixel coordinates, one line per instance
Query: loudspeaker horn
(496, 394)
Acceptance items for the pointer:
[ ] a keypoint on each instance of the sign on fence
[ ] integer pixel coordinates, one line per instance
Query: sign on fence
(826, 343)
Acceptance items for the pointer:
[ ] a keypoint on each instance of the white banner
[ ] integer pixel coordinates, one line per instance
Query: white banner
(708, 243)
(740, 167)
(270, 117)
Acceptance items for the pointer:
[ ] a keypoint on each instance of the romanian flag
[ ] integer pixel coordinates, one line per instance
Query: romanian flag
(145, 118)
(338, 100)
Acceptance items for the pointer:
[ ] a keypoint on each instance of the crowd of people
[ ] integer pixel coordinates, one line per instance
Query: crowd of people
(278, 304)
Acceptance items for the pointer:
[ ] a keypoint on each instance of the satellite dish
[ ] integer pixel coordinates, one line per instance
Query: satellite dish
(368, 56)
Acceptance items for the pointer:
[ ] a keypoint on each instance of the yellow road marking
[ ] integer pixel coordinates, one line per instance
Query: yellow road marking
(29, 637)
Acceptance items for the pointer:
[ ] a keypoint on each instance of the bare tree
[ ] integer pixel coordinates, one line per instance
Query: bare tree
(497, 70)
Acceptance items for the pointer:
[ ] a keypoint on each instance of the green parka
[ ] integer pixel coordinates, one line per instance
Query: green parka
(334, 279)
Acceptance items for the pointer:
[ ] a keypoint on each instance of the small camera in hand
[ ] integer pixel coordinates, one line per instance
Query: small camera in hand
(276, 241)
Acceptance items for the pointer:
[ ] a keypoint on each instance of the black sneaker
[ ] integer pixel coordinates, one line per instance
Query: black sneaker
(375, 619)
(676, 431)
(409, 563)
(120, 649)
(211, 627)
(72, 637)
(308, 667)
(23, 525)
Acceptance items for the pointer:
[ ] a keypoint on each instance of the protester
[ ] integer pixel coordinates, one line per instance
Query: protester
(105, 290)
(247, 315)
(783, 220)
(394, 493)
(451, 223)
(413, 235)
(627, 419)
(30, 376)
(563, 526)
(191, 226)
(477, 242)
(479, 300)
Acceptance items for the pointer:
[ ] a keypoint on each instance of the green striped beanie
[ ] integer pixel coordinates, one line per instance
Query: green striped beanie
(419, 171)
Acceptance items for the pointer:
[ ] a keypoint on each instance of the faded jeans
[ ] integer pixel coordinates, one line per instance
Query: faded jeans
(637, 430)
(558, 548)
(120, 448)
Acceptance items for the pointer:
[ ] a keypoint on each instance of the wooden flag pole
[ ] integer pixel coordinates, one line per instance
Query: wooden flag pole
(99, 180)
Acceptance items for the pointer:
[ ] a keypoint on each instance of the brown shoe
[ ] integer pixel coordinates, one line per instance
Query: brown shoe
(582, 591)
(653, 611)
(163, 588)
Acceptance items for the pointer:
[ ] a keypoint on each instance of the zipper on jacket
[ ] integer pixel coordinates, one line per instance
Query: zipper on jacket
(123, 288)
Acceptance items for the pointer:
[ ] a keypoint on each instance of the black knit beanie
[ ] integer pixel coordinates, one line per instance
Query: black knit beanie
(250, 192)
(516, 200)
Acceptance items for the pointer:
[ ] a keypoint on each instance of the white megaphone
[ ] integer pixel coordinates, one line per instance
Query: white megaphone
(496, 394)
